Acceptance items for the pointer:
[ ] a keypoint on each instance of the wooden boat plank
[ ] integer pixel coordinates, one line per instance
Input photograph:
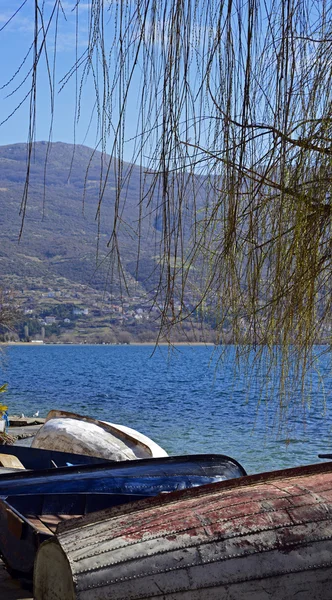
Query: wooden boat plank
(52, 521)
(10, 461)
(39, 525)
(56, 519)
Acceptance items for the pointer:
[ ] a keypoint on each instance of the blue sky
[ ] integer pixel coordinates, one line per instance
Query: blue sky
(15, 40)
(16, 36)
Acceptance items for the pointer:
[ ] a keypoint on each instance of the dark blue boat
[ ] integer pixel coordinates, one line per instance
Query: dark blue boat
(33, 503)
(36, 458)
(126, 477)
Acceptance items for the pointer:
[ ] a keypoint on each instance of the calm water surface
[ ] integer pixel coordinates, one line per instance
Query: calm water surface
(184, 402)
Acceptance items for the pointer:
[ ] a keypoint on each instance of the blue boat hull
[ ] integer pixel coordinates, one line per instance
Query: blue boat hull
(150, 476)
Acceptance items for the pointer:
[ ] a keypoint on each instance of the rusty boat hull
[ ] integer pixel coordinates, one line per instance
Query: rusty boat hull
(261, 537)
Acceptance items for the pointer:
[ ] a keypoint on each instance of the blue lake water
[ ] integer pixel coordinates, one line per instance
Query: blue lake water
(186, 402)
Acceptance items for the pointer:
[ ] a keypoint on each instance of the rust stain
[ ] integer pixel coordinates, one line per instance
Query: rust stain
(326, 495)
(215, 514)
(313, 512)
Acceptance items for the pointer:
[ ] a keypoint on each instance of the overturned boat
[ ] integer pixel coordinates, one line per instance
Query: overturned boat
(156, 475)
(262, 537)
(34, 503)
(78, 434)
(27, 521)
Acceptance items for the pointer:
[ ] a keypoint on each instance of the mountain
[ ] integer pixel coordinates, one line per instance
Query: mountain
(62, 237)
(60, 273)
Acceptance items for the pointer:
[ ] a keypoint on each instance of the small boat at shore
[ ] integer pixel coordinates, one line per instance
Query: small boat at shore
(128, 477)
(261, 537)
(35, 458)
(34, 503)
(27, 521)
(78, 434)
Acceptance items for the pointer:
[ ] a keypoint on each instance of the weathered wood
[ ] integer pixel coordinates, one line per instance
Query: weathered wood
(266, 537)
(9, 461)
(28, 517)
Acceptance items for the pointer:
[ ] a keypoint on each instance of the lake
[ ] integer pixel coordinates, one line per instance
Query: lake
(184, 400)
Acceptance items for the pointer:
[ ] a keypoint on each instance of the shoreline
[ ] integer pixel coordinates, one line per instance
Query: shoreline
(153, 344)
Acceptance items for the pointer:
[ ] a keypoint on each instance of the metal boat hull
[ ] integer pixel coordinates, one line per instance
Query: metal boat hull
(128, 477)
(263, 537)
(80, 434)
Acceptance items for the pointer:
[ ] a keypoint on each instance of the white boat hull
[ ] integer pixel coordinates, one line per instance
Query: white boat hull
(68, 432)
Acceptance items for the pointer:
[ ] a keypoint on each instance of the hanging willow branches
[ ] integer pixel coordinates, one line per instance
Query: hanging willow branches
(232, 129)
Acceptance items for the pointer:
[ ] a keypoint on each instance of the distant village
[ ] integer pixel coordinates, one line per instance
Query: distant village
(78, 314)
(86, 315)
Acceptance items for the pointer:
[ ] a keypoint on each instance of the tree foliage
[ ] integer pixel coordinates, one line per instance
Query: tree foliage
(233, 135)
(9, 315)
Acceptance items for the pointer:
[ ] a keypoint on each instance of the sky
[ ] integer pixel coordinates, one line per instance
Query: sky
(16, 36)
(15, 40)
